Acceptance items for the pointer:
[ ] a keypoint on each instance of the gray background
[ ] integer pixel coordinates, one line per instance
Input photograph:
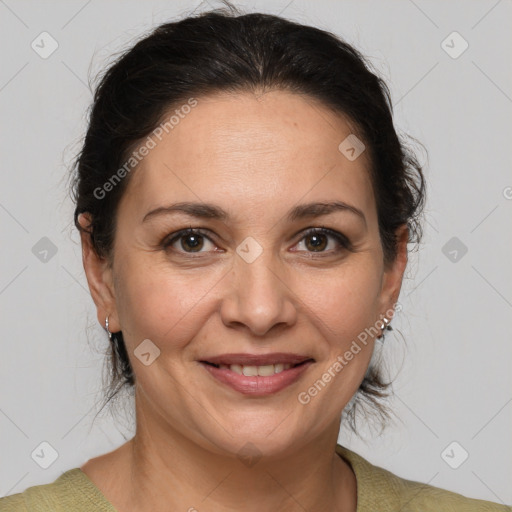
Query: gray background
(455, 381)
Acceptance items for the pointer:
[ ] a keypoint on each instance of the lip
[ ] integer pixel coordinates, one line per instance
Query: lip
(257, 386)
(256, 359)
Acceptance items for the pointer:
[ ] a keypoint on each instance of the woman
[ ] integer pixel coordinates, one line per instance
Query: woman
(244, 205)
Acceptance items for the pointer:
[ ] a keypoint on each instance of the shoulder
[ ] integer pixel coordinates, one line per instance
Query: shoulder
(13, 503)
(379, 490)
(71, 491)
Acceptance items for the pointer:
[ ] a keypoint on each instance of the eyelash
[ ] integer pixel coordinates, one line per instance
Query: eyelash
(342, 240)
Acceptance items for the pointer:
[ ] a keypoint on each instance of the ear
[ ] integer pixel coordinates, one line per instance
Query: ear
(394, 272)
(99, 277)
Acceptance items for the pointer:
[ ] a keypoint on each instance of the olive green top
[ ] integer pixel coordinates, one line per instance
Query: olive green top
(378, 490)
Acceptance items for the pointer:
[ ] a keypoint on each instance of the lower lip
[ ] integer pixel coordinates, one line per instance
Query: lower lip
(258, 386)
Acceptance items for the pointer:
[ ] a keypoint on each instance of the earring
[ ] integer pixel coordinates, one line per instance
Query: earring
(106, 327)
(385, 327)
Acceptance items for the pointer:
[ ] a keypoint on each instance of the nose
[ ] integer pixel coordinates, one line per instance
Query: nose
(260, 299)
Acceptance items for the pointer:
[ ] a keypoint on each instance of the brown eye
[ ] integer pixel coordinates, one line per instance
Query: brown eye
(317, 240)
(190, 241)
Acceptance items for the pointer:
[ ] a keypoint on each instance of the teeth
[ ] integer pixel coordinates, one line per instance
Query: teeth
(235, 368)
(265, 371)
(278, 368)
(250, 371)
(253, 371)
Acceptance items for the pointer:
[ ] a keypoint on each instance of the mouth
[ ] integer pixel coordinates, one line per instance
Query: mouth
(252, 370)
(257, 375)
(252, 365)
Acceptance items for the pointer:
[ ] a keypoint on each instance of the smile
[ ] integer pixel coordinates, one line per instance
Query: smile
(257, 380)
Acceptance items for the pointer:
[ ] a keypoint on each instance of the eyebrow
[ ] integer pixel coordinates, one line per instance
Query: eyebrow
(211, 211)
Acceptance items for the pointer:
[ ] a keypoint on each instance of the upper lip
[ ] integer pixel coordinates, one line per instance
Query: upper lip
(257, 359)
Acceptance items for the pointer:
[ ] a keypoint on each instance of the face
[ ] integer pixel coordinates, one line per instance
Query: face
(273, 275)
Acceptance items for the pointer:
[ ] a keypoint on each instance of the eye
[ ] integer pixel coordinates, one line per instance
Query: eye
(190, 241)
(193, 240)
(317, 240)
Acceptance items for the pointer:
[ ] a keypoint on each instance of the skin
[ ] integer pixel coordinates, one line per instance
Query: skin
(256, 156)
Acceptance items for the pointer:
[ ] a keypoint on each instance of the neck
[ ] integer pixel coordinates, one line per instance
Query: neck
(172, 471)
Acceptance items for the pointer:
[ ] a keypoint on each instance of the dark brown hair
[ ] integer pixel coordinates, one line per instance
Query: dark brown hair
(226, 51)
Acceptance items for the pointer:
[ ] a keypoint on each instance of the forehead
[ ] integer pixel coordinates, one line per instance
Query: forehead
(259, 150)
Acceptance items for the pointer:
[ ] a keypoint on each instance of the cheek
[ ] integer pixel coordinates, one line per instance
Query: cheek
(162, 304)
(346, 301)
(343, 310)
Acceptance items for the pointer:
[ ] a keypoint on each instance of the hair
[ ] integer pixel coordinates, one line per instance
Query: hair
(224, 50)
